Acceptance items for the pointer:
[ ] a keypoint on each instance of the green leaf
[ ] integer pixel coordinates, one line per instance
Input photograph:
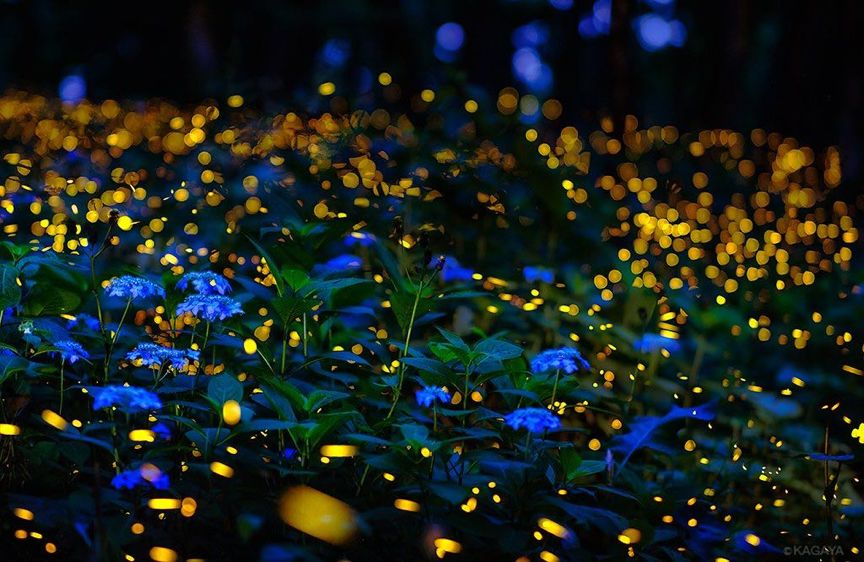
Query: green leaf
(323, 288)
(444, 352)
(222, 388)
(402, 303)
(289, 307)
(450, 492)
(50, 300)
(11, 364)
(320, 398)
(295, 278)
(274, 386)
(10, 291)
(415, 435)
(498, 349)
(454, 340)
(17, 251)
(323, 426)
(587, 468)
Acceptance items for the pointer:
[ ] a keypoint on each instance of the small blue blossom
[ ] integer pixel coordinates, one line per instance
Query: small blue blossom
(128, 479)
(135, 288)
(128, 399)
(649, 343)
(210, 307)
(453, 271)
(427, 395)
(161, 482)
(153, 355)
(135, 477)
(205, 283)
(359, 239)
(533, 274)
(289, 453)
(161, 430)
(535, 420)
(71, 351)
(154, 476)
(567, 359)
(84, 320)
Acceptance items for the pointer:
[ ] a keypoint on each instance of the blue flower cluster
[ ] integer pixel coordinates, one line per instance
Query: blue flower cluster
(567, 359)
(136, 477)
(135, 288)
(210, 307)
(128, 399)
(71, 351)
(84, 321)
(533, 274)
(162, 431)
(153, 355)
(649, 343)
(535, 420)
(427, 395)
(205, 283)
(453, 271)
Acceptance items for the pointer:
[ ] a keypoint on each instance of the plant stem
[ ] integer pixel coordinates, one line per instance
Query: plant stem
(206, 337)
(555, 388)
(284, 350)
(398, 390)
(305, 345)
(269, 366)
(113, 339)
(62, 365)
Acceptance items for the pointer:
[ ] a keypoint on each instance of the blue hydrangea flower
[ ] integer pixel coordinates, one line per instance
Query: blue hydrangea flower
(135, 288)
(567, 359)
(427, 395)
(128, 479)
(161, 430)
(453, 271)
(535, 420)
(648, 343)
(128, 399)
(210, 307)
(153, 355)
(71, 351)
(538, 274)
(205, 283)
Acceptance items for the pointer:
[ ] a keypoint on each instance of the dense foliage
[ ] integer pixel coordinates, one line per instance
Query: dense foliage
(228, 336)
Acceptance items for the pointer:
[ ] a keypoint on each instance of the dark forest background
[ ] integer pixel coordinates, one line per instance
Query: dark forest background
(789, 66)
